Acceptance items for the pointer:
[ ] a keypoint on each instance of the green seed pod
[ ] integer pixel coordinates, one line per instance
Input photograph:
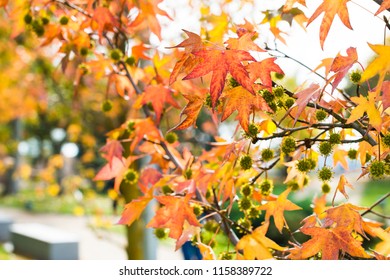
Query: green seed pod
(377, 169)
(386, 140)
(278, 91)
(246, 162)
(355, 76)
(171, 137)
(304, 165)
(244, 203)
(161, 233)
(352, 154)
(246, 190)
(289, 102)
(28, 18)
(325, 174)
(131, 176)
(267, 154)
(166, 190)
(64, 20)
(325, 188)
(106, 106)
(288, 145)
(334, 138)
(321, 115)
(266, 187)
(325, 148)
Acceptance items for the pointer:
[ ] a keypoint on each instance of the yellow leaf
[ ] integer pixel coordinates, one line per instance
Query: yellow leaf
(276, 209)
(339, 157)
(380, 65)
(365, 105)
(256, 245)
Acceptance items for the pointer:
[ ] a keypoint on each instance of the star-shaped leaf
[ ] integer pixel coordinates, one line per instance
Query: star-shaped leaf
(329, 242)
(262, 70)
(256, 246)
(173, 214)
(342, 64)
(191, 110)
(331, 8)
(245, 103)
(276, 209)
(366, 105)
(158, 96)
(380, 66)
(222, 62)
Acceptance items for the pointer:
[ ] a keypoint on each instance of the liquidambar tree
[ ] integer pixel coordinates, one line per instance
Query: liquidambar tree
(230, 69)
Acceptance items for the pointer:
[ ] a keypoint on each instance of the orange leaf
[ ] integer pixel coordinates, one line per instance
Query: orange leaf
(220, 63)
(341, 187)
(245, 103)
(158, 95)
(289, 4)
(134, 209)
(105, 20)
(191, 110)
(331, 8)
(276, 209)
(244, 43)
(345, 215)
(256, 245)
(173, 214)
(380, 65)
(329, 242)
(262, 70)
(385, 6)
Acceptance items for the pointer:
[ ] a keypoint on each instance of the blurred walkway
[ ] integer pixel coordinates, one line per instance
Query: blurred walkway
(94, 244)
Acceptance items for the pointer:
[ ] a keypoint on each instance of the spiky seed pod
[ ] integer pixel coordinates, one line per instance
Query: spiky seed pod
(288, 145)
(325, 174)
(377, 169)
(352, 154)
(267, 154)
(321, 115)
(246, 162)
(325, 148)
(334, 138)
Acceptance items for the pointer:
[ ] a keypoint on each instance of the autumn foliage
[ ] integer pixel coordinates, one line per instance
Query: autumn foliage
(177, 95)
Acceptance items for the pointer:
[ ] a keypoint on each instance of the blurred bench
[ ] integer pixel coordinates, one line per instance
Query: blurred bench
(43, 242)
(5, 225)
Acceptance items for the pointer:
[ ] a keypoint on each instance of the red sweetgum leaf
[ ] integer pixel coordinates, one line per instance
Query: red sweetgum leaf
(245, 103)
(342, 64)
(191, 110)
(158, 96)
(221, 62)
(262, 70)
(173, 214)
(149, 176)
(105, 20)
